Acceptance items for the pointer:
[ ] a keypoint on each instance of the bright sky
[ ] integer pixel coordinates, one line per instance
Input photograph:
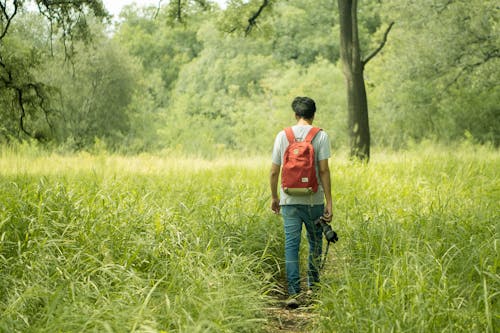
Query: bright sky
(115, 6)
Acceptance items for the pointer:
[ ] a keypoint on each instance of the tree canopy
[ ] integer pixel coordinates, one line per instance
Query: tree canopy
(190, 76)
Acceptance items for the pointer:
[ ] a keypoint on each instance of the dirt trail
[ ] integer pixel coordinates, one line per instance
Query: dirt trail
(282, 319)
(292, 321)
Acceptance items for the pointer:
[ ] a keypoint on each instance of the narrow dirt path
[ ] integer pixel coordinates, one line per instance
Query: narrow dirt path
(282, 319)
(290, 321)
(304, 318)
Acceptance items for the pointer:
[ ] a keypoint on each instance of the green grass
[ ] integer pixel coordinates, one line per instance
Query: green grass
(421, 246)
(150, 244)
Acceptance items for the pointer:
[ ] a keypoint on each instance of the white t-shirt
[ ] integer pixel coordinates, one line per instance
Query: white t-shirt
(321, 144)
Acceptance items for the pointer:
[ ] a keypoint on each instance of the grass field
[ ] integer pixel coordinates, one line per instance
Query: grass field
(162, 244)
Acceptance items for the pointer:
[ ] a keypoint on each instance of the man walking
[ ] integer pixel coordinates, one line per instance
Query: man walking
(299, 207)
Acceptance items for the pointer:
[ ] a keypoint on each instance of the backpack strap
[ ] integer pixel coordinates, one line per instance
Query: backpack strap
(309, 137)
(312, 133)
(289, 135)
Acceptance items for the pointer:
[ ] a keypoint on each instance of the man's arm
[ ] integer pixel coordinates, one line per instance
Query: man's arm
(324, 175)
(273, 180)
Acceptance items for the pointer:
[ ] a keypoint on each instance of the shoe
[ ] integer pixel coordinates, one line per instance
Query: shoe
(292, 303)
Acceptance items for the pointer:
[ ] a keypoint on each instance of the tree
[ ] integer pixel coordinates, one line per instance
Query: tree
(94, 94)
(353, 65)
(21, 93)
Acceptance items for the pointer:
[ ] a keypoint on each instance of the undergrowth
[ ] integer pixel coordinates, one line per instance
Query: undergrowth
(150, 244)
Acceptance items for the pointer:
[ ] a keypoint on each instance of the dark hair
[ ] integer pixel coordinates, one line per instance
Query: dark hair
(304, 107)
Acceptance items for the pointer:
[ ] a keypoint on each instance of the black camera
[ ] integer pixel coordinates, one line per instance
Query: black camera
(330, 234)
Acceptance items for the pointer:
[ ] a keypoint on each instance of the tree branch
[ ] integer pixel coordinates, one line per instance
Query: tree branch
(203, 4)
(493, 54)
(8, 71)
(29, 97)
(19, 92)
(444, 6)
(179, 10)
(23, 99)
(7, 17)
(157, 10)
(380, 47)
(253, 20)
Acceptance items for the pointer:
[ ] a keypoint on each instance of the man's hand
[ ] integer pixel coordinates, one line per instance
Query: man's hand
(273, 180)
(327, 214)
(275, 205)
(324, 175)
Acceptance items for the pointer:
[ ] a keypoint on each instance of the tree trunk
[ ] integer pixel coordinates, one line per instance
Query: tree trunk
(357, 105)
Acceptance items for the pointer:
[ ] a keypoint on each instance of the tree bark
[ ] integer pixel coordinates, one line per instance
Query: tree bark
(353, 67)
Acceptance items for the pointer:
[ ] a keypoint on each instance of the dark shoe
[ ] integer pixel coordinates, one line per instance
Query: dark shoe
(292, 303)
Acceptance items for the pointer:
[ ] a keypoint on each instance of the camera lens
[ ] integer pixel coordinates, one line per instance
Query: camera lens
(330, 235)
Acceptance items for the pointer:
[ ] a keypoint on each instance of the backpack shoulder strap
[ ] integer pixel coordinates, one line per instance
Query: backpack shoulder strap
(289, 135)
(312, 133)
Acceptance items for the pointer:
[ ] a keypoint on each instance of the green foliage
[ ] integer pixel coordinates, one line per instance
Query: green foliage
(22, 52)
(438, 76)
(240, 99)
(161, 47)
(302, 33)
(95, 93)
(26, 41)
(197, 85)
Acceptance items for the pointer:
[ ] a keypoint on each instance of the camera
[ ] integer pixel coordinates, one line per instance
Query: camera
(330, 234)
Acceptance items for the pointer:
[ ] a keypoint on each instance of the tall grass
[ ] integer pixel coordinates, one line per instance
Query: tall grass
(151, 244)
(113, 244)
(420, 251)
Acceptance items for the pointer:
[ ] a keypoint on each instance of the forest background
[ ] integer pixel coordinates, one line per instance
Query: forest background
(197, 84)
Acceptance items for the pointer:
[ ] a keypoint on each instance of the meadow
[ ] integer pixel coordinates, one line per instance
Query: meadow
(105, 243)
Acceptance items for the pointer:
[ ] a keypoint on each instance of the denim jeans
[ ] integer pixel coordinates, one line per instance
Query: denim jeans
(294, 216)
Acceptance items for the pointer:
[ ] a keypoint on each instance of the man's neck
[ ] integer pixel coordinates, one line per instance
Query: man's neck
(303, 121)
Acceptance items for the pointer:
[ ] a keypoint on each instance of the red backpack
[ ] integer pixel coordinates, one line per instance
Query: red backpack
(298, 175)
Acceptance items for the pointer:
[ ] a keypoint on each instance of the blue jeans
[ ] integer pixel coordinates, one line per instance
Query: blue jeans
(294, 216)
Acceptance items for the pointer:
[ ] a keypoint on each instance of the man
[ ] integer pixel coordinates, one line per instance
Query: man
(302, 209)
